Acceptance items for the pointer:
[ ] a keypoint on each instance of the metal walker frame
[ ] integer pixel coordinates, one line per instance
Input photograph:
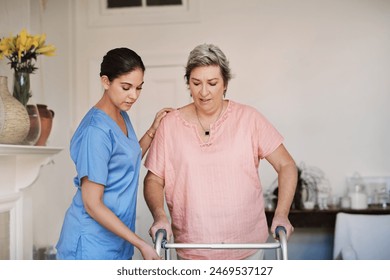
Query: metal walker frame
(280, 245)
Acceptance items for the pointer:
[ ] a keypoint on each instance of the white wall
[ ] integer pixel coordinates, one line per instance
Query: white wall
(14, 15)
(319, 70)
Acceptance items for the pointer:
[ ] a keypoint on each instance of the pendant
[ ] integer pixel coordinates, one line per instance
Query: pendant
(207, 133)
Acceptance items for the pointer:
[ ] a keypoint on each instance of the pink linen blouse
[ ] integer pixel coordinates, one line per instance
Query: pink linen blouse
(213, 190)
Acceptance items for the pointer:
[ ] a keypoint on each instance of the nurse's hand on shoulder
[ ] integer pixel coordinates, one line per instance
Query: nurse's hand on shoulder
(159, 116)
(148, 253)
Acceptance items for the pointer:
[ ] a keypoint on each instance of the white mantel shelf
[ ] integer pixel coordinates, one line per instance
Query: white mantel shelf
(20, 165)
(6, 150)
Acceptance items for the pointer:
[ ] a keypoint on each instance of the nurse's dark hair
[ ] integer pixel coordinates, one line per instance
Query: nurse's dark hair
(208, 55)
(120, 61)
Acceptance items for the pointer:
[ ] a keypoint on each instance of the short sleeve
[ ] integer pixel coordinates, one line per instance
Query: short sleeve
(155, 159)
(92, 155)
(269, 139)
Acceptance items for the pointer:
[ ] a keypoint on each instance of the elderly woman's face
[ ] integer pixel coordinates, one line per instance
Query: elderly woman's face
(206, 85)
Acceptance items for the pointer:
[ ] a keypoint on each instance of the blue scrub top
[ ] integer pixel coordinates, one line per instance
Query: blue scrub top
(101, 151)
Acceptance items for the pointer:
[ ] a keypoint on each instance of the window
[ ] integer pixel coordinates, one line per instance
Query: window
(163, 2)
(141, 3)
(136, 12)
(123, 3)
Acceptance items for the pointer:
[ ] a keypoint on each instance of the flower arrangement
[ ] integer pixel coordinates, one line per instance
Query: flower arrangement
(23, 49)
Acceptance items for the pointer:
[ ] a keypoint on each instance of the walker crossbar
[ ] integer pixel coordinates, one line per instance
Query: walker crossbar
(280, 245)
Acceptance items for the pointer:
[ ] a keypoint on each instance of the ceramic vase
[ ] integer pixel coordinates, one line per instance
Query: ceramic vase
(14, 120)
(46, 115)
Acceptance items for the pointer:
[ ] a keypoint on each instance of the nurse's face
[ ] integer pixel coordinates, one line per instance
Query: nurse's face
(125, 90)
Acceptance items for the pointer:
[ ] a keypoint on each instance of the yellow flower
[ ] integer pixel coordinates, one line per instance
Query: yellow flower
(35, 40)
(41, 40)
(6, 47)
(46, 50)
(23, 49)
(23, 37)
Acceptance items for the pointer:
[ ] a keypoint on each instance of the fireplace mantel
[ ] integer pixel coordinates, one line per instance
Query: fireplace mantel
(20, 166)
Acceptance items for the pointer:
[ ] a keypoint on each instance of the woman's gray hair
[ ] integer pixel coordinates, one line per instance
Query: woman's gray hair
(208, 55)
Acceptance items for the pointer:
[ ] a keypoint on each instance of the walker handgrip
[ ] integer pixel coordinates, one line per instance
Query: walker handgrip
(278, 229)
(160, 239)
(281, 235)
(163, 231)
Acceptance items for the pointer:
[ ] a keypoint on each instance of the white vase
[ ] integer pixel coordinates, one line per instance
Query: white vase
(14, 120)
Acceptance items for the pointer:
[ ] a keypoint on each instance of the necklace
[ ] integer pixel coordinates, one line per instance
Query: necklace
(206, 131)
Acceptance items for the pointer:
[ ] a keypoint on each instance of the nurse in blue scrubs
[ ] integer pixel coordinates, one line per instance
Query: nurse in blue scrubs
(100, 222)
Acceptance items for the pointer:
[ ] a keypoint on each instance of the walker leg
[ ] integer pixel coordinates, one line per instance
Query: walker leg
(278, 254)
(167, 254)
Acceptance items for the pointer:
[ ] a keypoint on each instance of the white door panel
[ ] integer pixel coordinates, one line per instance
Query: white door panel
(164, 87)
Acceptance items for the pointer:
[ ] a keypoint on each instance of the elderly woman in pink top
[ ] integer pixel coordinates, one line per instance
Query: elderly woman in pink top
(205, 158)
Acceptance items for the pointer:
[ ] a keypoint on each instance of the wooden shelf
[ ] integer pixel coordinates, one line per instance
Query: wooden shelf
(323, 218)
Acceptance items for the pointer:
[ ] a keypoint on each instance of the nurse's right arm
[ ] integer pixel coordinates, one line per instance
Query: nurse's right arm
(154, 197)
(92, 195)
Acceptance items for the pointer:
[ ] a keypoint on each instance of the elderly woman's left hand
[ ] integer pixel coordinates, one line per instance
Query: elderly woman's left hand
(281, 220)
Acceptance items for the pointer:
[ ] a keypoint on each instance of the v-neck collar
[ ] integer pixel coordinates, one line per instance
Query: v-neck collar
(213, 126)
(114, 124)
